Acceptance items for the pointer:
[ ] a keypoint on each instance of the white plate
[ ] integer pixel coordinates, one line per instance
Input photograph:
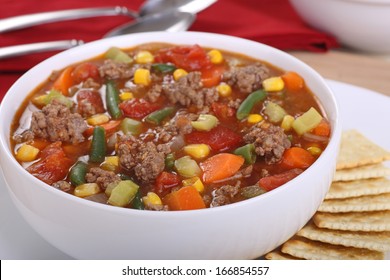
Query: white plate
(361, 109)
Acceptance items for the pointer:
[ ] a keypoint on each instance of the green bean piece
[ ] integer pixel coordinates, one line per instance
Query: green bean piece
(130, 126)
(137, 201)
(98, 145)
(249, 102)
(158, 116)
(247, 152)
(163, 68)
(252, 191)
(112, 100)
(118, 55)
(169, 161)
(77, 173)
(123, 193)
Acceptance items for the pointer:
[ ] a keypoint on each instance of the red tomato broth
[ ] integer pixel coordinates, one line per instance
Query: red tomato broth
(296, 103)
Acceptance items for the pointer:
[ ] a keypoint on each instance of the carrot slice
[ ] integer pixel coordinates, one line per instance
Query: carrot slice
(110, 127)
(293, 82)
(64, 81)
(296, 157)
(186, 198)
(220, 166)
(322, 129)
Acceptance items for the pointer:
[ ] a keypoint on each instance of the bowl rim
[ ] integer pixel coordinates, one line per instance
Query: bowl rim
(333, 142)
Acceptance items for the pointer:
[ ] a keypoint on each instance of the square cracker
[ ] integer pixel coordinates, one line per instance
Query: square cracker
(357, 204)
(354, 221)
(278, 255)
(377, 241)
(314, 250)
(362, 172)
(358, 188)
(357, 150)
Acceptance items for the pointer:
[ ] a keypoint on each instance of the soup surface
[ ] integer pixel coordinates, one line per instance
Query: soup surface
(167, 127)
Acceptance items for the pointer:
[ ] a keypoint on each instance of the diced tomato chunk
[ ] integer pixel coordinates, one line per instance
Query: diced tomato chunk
(190, 58)
(222, 110)
(89, 102)
(212, 76)
(272, 182)
(219, 138)
(138, 108)
(53, 165)
(165, 181)
(84, 71)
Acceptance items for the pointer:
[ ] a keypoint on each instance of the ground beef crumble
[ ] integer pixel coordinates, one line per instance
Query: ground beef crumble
(102, 177)
(224, 194)
(188, 90)
(270, 141)
(143, 158)
(247, 78)
(56, 123)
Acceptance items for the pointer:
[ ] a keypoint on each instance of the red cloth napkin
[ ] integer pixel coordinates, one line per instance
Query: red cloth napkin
(273, 22)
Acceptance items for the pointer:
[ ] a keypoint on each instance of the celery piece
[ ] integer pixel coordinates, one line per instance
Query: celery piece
(307, 121)
(205, 122)
(53, 95)
(187, 167)
(123, 193)
(118, 55)
(274, 112)
(130, 126)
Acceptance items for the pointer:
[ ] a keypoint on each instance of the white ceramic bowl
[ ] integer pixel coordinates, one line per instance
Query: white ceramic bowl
(244, 230)
(363, 25)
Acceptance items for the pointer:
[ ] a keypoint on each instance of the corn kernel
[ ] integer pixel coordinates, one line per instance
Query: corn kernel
(254, 118)
(315, 151)
(27, 153)
(40, 100)
(197, 151)
(98, 119)
(287, 122)
(152, 199)
(215, 56)
(110, 163)
(126, 95)
(144, 57)
(142, 77)
(86, 189)
(273, 84)
(195, 182)
(114, 160)
(224, 90)
(178, 73)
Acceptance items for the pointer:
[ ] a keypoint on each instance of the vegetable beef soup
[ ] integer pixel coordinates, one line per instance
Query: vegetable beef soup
(166, 127)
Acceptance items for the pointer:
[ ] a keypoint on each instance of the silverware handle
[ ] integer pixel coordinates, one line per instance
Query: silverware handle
(18, 50)
(18, 22)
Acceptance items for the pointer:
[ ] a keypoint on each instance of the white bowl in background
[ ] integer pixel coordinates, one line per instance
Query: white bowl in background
(363, 25)
(243, 230)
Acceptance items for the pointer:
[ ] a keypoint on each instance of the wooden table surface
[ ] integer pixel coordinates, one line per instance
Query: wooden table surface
(368, 71)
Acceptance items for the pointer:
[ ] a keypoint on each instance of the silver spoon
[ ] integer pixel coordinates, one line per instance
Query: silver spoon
(148, 8)
(171, 20)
